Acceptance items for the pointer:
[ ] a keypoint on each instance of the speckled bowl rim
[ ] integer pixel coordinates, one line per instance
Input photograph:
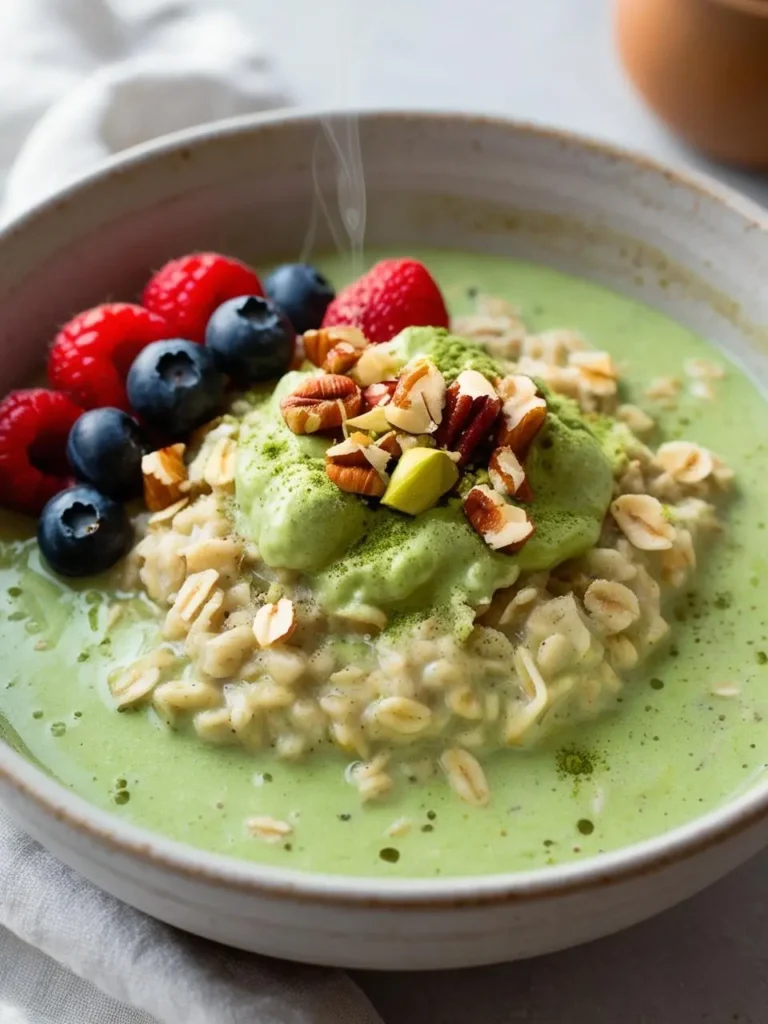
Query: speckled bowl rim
(637, 860)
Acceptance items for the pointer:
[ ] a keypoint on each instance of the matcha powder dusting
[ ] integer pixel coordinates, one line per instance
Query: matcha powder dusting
(576, 762)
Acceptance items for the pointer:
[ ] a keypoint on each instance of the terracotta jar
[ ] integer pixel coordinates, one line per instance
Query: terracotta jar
(702, 66)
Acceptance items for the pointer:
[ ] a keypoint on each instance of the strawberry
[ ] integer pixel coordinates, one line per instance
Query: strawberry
(393, 295)
(187, 291)
(34, 426)
(92, 354)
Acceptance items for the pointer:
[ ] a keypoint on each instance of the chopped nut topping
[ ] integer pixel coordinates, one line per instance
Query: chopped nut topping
(522, 414)
(165, 477)
(686, 462)
(317, 344)
(379, 393)
(341, 358)
(274, 623)
(502, 526)
(356, 480)
(321, 403)
(359, 450)
(417, 402)
(611, 604)
(507, 476)
(471, 408)
(376, 363)
(641, 519)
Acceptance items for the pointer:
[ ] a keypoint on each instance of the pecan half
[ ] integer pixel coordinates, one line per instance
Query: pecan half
(341, 358)
(522, 414)
(390, 444)
(418, 400)
(165, 477)
(317, 344)
(356, 479)
(502, 526)
(321, 403)
(471, 408)
(508, 476)
(379, 394)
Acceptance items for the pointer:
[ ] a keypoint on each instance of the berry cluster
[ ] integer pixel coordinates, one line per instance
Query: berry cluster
(128, 378)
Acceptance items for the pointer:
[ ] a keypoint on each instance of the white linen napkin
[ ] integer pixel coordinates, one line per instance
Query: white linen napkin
(80, 80)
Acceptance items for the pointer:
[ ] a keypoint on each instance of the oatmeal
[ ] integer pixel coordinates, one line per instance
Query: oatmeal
(455, 564)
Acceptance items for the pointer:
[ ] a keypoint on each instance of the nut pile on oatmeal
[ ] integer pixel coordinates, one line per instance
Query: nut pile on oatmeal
(366, 527)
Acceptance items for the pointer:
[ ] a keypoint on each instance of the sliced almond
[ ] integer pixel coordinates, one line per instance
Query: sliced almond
(274, 623)
(359, 450)
(502, 526)
(641, 519)
(379, 393)
(418, 399)
(376, 363)
(507, 475)
(165, 477)
(522, 414)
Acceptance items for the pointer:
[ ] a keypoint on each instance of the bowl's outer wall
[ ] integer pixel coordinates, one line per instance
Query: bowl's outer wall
(432, 180)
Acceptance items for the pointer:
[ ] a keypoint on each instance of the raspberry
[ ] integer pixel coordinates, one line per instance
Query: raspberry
(393, 295)
(92, 354)
(188, 290)
(34, 426)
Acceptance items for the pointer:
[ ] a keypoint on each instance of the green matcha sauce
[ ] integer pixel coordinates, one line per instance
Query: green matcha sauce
(669, 752)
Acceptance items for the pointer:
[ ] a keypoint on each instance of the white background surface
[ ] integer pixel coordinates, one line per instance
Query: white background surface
(550, 61)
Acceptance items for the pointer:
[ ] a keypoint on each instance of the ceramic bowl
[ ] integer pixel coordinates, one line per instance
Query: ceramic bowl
(682, 244)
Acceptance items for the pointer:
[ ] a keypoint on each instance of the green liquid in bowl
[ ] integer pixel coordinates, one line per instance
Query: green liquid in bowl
(670, 751)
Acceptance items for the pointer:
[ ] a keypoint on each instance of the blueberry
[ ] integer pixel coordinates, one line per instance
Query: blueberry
(82, 532)
(105, 448)
(252, 340)
(301, 292)
(174, 386)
